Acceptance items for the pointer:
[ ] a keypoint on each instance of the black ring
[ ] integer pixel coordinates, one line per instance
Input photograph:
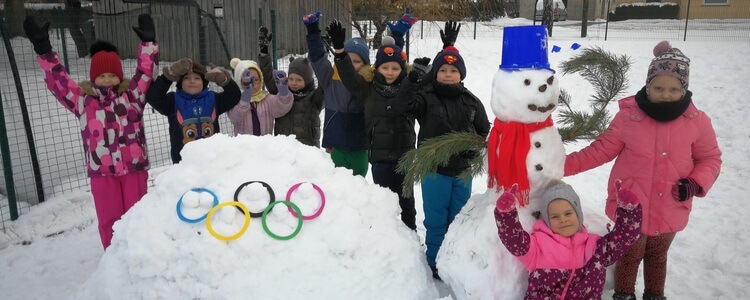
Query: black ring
(268, 188)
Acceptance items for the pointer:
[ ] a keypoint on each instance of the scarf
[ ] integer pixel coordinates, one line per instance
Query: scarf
(302, 93)
(387, 90)
(663, 111)
(507, 156)
(258, 96)
(448, 90)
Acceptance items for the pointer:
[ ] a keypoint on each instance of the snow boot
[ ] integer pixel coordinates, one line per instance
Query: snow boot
(621, 296)
(435, 273)
(653, 297)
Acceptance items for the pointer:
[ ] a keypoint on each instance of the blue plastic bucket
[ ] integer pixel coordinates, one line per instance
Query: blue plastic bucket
(525, 47)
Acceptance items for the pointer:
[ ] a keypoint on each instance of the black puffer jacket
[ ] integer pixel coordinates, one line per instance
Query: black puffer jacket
(303, 120)
(390, 133)
(442, 109)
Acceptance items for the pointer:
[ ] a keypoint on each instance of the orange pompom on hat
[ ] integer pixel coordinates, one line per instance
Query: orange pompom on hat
(104, 59)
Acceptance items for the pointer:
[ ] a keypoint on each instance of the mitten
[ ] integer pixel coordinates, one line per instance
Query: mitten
(145, 30)
(311, 21)
(282, 82)
(685, 188)
(219, 75)
(402, 25)
(450, 34)
(178, 69)
(337, 34)
(625, 197)
(419, 68)
(507, 201)
(38, 35)
(247, 81)
(264, 39)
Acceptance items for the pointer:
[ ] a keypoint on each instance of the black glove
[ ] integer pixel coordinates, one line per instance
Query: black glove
(311, 21)
(38, 36)
(685, 188)
(337, 34)
(145, 30)
(450, 34)
(419, 68)
(264, 39)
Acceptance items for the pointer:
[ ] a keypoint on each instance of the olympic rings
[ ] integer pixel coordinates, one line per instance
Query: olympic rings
(242, 208)
(299, 218)
(270, 193)
(318, 211)
(179, 204)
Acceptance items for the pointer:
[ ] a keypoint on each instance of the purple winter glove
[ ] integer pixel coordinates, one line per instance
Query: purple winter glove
(282, 82)
(625, 197)
(685, 188)
(507, 201)
(311, 22)
(247, 82)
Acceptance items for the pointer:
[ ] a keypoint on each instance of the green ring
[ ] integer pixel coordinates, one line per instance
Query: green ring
(299, 222)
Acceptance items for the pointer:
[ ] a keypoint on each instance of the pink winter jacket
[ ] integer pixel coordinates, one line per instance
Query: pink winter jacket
(651, 157)
(111, 119)
(268, 109)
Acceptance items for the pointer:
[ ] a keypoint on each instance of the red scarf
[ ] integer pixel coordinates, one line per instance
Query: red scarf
(507, 161)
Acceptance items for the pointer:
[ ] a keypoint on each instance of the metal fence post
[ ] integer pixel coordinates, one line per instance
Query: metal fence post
(7, 166)
(24, 112)
(273, 41)
(687, 17)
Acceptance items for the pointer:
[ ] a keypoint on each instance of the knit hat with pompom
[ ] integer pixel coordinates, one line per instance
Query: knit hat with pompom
(104, 59)
(669, 61)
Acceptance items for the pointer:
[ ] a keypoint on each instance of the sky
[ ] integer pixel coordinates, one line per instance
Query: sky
(357, 247)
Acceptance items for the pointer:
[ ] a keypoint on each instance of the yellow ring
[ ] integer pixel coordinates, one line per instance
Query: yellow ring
(236, 235)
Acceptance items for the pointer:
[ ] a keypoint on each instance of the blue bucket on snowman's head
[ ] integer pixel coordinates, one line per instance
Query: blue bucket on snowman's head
(524, 48)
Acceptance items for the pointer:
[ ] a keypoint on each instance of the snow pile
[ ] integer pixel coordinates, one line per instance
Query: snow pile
(356, 249)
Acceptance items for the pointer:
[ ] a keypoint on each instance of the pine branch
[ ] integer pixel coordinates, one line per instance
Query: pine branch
(436, 152)
(607, 74)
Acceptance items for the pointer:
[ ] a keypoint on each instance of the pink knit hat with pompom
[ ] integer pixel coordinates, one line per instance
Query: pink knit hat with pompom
(669, 61)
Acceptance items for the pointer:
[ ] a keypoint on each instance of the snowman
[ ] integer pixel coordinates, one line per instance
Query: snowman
(524, 146)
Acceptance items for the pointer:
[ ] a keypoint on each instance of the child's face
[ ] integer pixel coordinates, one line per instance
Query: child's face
(563, 219)
(106, 80)
(664, 88)
(296, 82)
(390, 70)
(192, 83)
(448, 74)
(356, 61)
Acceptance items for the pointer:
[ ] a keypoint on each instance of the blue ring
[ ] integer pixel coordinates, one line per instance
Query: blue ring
(179, 204)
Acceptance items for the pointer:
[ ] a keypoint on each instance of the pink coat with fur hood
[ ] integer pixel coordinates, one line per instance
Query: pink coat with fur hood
(651, 157)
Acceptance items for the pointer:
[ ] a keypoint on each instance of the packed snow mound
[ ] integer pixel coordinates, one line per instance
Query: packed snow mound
(357, 248)
(476, 264)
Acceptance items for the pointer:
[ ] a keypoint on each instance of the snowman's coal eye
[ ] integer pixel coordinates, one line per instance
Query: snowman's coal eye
(550, 80)
(527, 82)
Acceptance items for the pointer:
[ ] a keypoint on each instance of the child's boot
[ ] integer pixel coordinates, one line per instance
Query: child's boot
(621, 296)
(653, 297)
(435, 273)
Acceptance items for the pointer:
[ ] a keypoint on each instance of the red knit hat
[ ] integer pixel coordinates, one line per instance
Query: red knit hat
(104, 59)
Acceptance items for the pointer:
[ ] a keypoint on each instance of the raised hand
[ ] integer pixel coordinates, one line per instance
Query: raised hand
(337, 34)
(311, 21)
(402, 25)
(247, 81)
(282, 82)
(685, 188)
(145, 30)
(420, 67)
(264, 39)
(625, 197)
(450, 34)
(38, 35)
(219, 75)
(178, 69)
(507, 201)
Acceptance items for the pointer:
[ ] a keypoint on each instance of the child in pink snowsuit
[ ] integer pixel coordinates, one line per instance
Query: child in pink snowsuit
(109, 109)
(564, 260)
